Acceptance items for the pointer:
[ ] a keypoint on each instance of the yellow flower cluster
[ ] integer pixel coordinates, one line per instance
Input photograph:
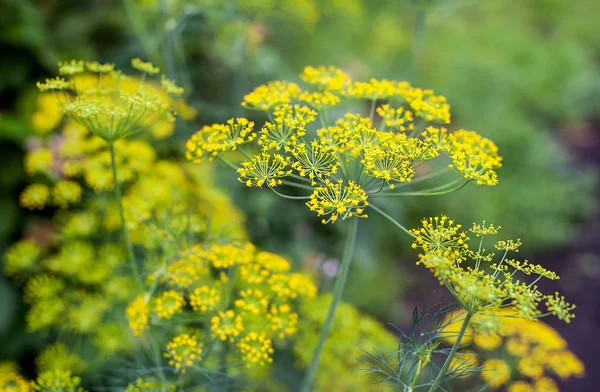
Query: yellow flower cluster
(247, 298)
(218, 138)
(13, 382)
(346, 161)
(520, 355)
(480, 284)
(57, 381)
(183, 351)
(110, 104)
(76, 281)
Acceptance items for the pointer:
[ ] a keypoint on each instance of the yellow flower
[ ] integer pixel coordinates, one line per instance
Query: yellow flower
(35, 196)
(288, 128)
(496, 373)
(66, 192)
(325, 78)
(396, 119)
(427, 105)
(337, 200)
(138, 315)
(38, 161)
(389, 165)
(12, 382)
(21, 257)
(183, 350)
(217, 138)
(48, 113)
(106, 105)
(252, 301)
(256, 348)
(474, 157)
(316, 161)
(204, 299)
(264, 168)
(271, 95)
(227, 325)
(168, 304)
(145, 67)
(57, 381)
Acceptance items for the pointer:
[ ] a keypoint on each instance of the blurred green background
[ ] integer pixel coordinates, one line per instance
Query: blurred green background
(526, 75)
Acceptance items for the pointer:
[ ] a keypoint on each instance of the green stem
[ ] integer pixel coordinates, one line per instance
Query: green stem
(444, 369)
(337, 295)
(126, 239)
(290, 197)
(381, 212)
(424, 193)
(372, 111)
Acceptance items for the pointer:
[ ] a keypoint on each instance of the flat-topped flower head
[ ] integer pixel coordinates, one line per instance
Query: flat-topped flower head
(480, 282)
(325, 78)
(397, 119)
(227, 325)
(35, 196)
(369, 151)
(256, 349)
(264, 169)
(319, 100)
(389, 165)
(215, 139)
(145, 67)
(427, 105)
(168, 304)
(108, 103)
(316, 161)
(288, 128)
(474, 157)
(183, 351)
(336, 200)
(271, 95)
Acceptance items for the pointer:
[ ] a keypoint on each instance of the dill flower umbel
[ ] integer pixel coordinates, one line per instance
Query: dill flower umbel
(168, 304)
(108, 103)
(138, 315)
(35, 196)
(57, 381)
(256, 348)
(337, 200)
(264, 169)
(485, 286)
(339, 166)
(350, 150)
(183, 351)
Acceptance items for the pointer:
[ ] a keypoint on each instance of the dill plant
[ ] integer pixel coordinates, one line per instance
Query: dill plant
(338, 167)
(208, 307)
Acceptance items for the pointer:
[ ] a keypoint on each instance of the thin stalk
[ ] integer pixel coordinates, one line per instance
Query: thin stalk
(126, 239)
(372, 111)
(290, 197)
(228, 164)
(338, 289)
(444, 369)
(424, 193)
(380, 211)
(296, 185)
